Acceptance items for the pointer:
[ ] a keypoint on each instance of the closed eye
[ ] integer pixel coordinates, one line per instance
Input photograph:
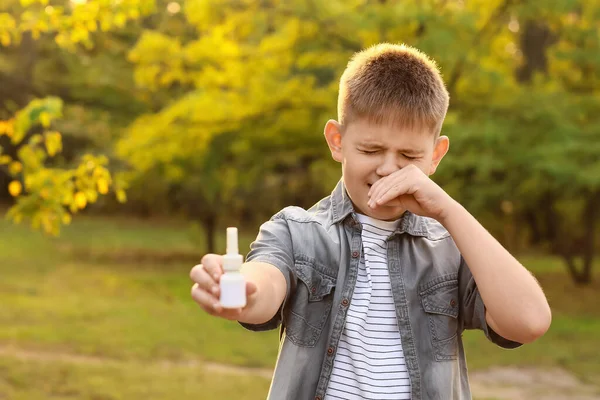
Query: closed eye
(409, 157)
(369, 151)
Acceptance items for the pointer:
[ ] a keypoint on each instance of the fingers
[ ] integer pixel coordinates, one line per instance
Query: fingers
(208, 272)
(210, 304)
(387, 188)
(403, 181)
(206, 277)
(204, 280)
(207, 302)
(381, 186)
(205, 291)
(213, 263)
(394, 191)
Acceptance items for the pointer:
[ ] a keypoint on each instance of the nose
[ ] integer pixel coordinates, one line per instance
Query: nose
(388, 166)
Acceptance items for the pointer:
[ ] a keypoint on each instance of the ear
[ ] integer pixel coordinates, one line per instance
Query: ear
(442, 144)
(333, 136)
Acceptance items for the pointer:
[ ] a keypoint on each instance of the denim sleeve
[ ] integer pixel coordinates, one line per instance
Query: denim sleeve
(473, 309)
(273, 245)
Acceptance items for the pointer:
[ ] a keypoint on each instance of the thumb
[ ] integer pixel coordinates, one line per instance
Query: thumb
(250, 288)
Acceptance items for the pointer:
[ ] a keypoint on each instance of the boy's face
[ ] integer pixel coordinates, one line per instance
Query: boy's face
(369, 152)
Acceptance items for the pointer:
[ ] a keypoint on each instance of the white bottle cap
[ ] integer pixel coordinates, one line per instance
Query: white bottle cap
(232, 241)
(232, 260)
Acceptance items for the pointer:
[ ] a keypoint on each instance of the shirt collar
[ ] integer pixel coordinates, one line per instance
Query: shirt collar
(342, 208)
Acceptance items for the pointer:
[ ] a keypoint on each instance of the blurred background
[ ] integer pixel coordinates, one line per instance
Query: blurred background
(133, 132)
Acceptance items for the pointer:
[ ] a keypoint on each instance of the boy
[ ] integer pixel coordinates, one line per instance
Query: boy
(375, 284)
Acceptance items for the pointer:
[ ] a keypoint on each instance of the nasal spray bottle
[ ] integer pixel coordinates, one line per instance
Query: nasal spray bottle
(233, 285)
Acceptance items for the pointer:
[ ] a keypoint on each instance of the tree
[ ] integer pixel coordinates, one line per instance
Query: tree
(530, 144)
(47, 190)
(52, 194)
(224, 81)
(248, 82)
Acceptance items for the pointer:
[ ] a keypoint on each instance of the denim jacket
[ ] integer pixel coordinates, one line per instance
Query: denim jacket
(318, 251)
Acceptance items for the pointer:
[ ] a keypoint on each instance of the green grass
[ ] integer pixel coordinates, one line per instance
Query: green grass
(118, 289)
(571, 343)
(40, 380)
(122, 310)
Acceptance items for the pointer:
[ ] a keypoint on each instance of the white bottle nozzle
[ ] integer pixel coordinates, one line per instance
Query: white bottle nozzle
(232, 260)
(232, 241)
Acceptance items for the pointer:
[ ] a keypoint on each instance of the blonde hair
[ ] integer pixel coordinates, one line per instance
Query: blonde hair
(394, 84)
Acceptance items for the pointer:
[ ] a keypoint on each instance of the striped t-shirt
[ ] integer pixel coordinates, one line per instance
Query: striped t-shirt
(369, 362)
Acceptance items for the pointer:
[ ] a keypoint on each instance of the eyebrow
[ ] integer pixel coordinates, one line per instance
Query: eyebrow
(378, 146)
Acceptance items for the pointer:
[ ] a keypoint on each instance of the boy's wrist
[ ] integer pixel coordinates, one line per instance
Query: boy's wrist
(253, 312)
(452, 211)
(248, 308)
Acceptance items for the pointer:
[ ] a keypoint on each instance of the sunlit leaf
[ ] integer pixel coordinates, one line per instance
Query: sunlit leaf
(15, 188)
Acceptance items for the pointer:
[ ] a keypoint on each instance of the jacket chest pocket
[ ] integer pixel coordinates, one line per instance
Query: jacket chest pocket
(310, 305)
(440, 301)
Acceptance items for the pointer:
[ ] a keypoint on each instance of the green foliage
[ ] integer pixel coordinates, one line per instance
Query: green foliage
(231, 98)
(265, 75)
(45, 193)
(48, 196)
(70, 23)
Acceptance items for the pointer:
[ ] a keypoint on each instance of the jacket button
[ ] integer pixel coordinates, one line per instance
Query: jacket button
(453, 303)
(345, 302)
(313, 290)
(330, 351)
(355, 254)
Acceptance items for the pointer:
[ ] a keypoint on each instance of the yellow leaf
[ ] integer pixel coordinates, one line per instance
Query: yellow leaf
(15, 167)
(91, 196)
(5, 39)
(15, 188)
(99, 172)
(102, 186)
(134, 13)
(45, 119)
(80, 200)
(29, 181)
(120, 19)
(92, 26)
(45, 193)
(79, 34)
(6, 127)
(67, 198)
(5, 159)
(105, 24)
(66, 219)
(121, 196)
(61, 39)
(53, 143)
(35, 139)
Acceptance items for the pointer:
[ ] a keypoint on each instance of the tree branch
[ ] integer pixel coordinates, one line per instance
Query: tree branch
(488, 26)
